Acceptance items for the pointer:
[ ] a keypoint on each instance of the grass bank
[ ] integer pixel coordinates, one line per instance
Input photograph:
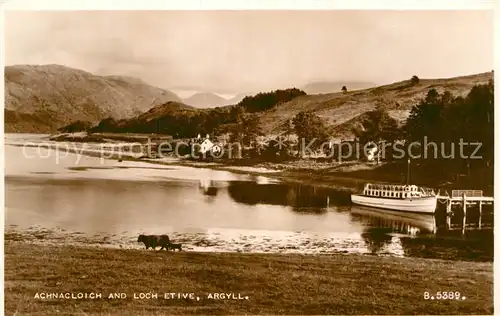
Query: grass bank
(274, 284)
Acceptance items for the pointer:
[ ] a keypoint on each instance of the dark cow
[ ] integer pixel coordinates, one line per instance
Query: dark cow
(175, 246)
(154, 241)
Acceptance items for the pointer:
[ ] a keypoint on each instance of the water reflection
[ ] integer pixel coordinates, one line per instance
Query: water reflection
(207, 187)
(476, 246)
(401, 222)
(376, 239)
(301, 198)
(382, 224)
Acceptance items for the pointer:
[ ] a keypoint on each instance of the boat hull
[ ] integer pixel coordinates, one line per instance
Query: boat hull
(425, 205)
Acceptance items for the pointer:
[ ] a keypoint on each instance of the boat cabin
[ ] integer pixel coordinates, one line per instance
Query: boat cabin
(396, 191)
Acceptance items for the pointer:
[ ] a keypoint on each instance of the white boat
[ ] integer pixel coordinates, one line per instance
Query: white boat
(406, 198)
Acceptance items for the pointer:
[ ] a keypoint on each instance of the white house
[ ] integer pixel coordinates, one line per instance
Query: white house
(207, 146)
(372, 153)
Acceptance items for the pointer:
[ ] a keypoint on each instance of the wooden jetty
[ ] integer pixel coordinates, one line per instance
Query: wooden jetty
(461, 203)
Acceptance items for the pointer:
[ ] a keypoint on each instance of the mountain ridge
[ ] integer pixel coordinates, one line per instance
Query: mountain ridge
(205, 100)
(341, 110)
(51, 96)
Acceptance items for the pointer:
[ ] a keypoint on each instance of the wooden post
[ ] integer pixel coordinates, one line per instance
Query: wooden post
(480, 213)
(408, 173)
(327, 201)
(448, 214)
(434, 228)
(464, 220)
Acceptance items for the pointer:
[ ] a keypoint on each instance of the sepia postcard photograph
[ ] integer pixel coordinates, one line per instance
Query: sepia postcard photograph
(248, 160)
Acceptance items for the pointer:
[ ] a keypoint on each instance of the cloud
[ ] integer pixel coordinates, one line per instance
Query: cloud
(236, 51)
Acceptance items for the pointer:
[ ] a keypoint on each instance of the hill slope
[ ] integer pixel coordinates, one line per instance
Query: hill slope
(319, 87)
(343, 111)
(205, 100)
(41, 99)
(169, 108)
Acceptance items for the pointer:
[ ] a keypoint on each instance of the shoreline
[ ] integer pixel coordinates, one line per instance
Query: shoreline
(478, 248)
(303, 175)
(348, 175)
(274, 283)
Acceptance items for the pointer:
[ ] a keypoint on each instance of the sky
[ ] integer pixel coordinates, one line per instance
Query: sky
(230, 52)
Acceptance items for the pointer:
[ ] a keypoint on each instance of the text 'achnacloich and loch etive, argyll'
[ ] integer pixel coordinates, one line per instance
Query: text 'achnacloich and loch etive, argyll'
(140, 296)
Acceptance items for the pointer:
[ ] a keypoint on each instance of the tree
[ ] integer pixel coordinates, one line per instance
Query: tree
(414, 80)
(344, 89)
(425, 117)
(246, 130)
(251, 129)
(282, 144)
(378, 125)
(77, 126)
(108, 124)
(236, 113)
(265, 101)
(308, 127)
(287, 128)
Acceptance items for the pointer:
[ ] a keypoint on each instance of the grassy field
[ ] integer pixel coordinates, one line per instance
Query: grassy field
(274, 284)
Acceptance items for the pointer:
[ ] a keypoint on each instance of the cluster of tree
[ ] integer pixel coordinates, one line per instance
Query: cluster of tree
(265, 101)
(182, 124)
(77, 126)
(415, 80)
(376, 126)
(449, 121)
(309, 126)
(246, 130)
(452, 135)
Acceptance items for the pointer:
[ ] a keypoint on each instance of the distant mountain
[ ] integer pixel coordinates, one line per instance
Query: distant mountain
(206, 100)
(321, 87)
(43, 98)
(211, 100)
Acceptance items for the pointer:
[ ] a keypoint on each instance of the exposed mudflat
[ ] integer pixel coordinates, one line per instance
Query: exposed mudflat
(222, 240)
